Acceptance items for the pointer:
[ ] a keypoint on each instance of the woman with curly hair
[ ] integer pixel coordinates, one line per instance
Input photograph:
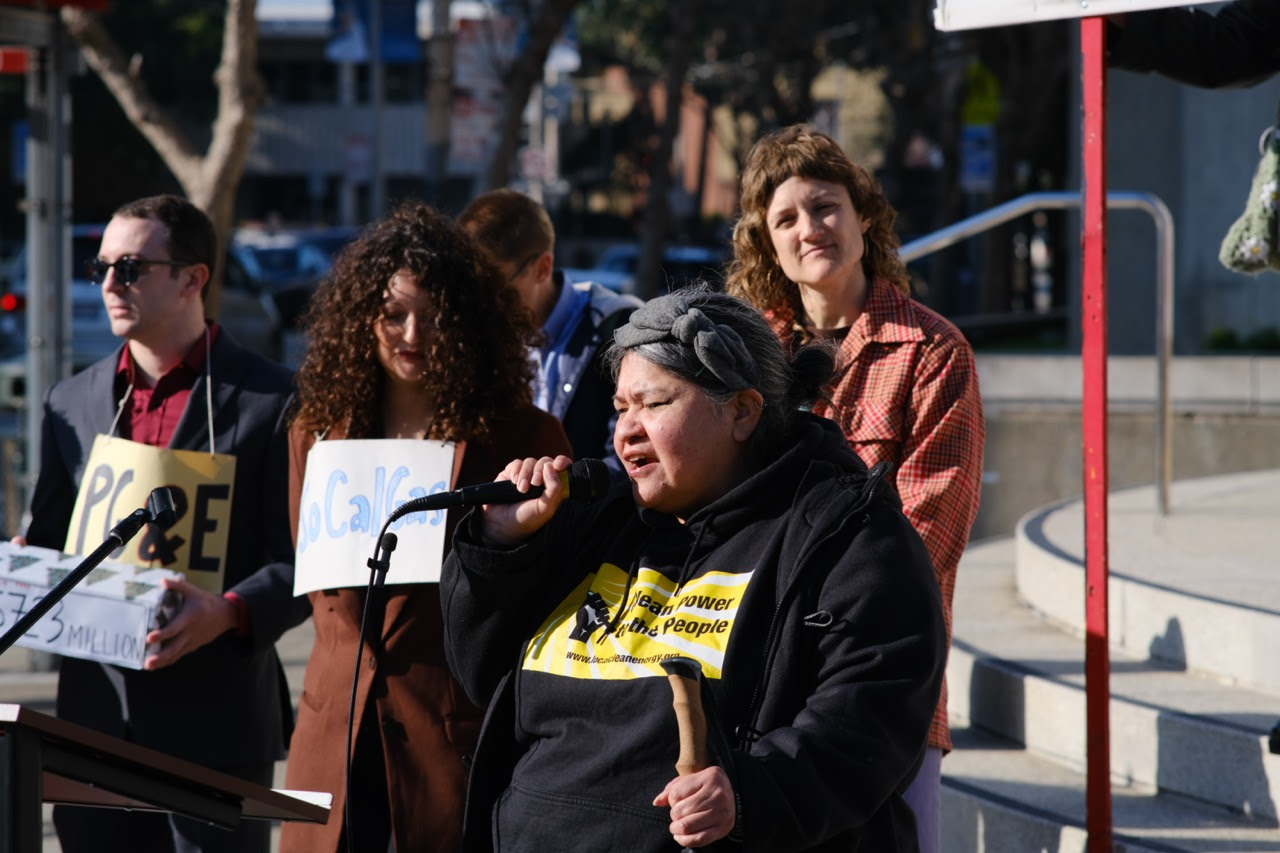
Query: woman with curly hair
(412, 335)
(815, 249)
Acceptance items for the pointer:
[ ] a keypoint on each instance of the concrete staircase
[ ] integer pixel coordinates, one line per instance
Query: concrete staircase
(1195, 676)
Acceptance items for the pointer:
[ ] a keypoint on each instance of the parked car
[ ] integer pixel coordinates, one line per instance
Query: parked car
(616, 267)
(327, 242)
(247, 312)
(290, 263)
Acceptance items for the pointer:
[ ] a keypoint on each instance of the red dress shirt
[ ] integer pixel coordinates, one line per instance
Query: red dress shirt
(151, 414)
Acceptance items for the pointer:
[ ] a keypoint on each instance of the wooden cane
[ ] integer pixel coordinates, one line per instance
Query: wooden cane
(685, 677)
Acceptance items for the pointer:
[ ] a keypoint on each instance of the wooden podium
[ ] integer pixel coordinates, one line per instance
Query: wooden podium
(47, 760)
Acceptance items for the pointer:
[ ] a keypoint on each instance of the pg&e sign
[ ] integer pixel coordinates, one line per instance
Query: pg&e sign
(118, 479)
(350, 488)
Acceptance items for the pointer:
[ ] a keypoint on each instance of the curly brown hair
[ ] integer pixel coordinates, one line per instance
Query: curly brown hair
(800, 151)
(478, 358)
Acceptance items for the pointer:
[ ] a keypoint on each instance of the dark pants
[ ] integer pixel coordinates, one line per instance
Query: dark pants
(93, 830)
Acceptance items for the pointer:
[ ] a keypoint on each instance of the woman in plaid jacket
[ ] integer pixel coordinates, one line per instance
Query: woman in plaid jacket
(815, 250)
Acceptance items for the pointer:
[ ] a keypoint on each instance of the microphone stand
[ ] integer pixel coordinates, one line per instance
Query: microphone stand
(378, 567)
(377, 577)
(380, 562)
(159, 509)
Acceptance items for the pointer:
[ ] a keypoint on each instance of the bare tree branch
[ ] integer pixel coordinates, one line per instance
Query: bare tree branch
(109, 63)
(240, 94)
(525, 72)
(209, 180)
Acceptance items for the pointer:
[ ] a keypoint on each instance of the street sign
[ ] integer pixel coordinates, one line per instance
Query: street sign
(473, 131)
(977, 172)
(350, 26)
(972, 14)
(533, 163)
(13, 60)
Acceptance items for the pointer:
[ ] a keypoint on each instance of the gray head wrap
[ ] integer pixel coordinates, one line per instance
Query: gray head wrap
(717, 346)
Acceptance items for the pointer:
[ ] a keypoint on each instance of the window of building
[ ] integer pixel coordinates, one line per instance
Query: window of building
(296, 81)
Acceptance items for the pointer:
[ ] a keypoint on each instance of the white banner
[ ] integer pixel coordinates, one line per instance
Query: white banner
(971, 14)
(350, 489)
(105, 617)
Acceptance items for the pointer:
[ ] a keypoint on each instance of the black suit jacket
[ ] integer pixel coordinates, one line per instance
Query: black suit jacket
(226, 704)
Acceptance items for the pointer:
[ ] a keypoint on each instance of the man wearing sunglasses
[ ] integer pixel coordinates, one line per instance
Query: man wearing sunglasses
(214, 692)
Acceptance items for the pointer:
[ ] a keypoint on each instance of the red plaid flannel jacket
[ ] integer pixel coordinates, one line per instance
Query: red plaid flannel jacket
(907, 392)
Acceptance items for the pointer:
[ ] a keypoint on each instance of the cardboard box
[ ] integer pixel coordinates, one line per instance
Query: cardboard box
(106, 617)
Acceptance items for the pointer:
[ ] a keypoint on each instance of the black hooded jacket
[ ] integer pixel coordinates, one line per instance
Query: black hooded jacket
(810, 602)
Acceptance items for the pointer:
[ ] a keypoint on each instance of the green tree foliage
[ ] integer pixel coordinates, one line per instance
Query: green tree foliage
(632, 33)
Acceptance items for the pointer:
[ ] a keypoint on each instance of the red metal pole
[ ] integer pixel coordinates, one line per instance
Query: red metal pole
(1097, 665)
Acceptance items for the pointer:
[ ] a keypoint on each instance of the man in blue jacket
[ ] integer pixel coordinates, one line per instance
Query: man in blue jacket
(577, 320)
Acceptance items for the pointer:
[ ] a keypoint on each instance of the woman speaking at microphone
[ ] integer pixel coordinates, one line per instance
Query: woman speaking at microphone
(412, 335)
(751, 540)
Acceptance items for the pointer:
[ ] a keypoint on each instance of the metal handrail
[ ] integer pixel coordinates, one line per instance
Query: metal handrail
(1163, 220)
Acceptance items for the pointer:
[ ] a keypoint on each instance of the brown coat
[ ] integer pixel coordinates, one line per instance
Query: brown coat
(427, 723)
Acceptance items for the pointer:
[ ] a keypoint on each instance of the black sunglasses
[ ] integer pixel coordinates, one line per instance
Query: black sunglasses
(127, 269)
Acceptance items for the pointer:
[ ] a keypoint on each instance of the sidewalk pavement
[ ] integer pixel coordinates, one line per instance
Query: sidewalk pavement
(1219, 541)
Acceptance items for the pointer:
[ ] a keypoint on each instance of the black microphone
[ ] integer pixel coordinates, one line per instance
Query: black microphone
(586, 480)
(160, 505)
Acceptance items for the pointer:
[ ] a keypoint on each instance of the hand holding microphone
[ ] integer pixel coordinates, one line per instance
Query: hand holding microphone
(529, 491)
(522, 481)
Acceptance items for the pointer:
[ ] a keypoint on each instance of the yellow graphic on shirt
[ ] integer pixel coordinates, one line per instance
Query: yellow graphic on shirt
(594, 635)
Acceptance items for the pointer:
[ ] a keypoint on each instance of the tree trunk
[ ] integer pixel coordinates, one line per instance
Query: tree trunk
(649, 281)
(209, 180)
(525, 72)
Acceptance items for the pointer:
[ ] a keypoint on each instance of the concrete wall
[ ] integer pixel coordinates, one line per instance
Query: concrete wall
(1226, 419)
(1197, 149)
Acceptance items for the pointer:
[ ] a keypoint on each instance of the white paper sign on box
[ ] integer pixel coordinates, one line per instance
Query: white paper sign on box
(104, 618)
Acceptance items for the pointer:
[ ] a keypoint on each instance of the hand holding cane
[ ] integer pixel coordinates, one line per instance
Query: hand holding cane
(699, 729)
(685, 678)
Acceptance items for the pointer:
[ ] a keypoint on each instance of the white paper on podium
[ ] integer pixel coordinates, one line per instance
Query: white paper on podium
(350, 488)
(315, 798)
(104, 618)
